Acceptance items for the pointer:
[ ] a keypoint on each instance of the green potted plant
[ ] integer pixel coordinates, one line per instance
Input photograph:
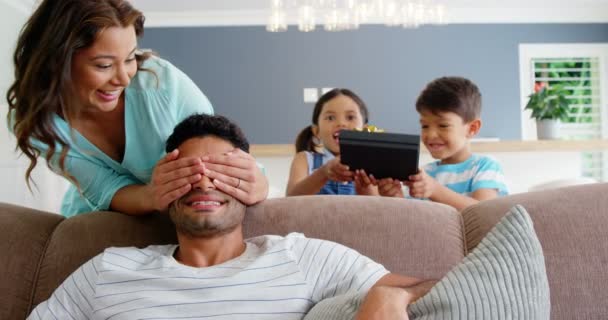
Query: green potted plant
(549, 106)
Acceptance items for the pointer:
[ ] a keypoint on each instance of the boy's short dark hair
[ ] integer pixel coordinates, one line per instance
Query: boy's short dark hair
(451, 94)
(202, 125)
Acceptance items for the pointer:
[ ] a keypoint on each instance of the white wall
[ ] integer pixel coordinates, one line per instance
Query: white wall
(12, 169)
(11, 21)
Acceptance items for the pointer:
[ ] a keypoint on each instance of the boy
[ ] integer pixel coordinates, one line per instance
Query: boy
(450, 109)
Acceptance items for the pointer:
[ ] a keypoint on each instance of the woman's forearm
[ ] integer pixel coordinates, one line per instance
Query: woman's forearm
(135, 199)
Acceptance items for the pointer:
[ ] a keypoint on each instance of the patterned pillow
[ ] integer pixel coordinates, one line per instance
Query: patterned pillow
(503, 278)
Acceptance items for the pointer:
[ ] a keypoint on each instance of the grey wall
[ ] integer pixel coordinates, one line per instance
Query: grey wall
(256, 77)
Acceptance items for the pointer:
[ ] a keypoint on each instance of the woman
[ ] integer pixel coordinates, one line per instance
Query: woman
(99, 111)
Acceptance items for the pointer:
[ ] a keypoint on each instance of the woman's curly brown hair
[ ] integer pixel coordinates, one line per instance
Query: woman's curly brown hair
(43, 56)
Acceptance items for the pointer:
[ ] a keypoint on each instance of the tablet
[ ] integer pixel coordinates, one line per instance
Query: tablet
(384, 155)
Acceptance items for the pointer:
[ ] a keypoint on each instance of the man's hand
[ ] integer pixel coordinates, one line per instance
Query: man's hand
(390, 296)
(384, 302)
(418, 291)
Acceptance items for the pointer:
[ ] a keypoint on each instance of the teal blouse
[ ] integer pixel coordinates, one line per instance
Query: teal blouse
(154, 105)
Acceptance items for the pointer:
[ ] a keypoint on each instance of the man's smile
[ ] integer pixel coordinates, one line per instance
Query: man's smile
(204, 202)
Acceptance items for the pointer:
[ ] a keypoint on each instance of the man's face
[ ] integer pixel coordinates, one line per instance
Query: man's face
(206, 211)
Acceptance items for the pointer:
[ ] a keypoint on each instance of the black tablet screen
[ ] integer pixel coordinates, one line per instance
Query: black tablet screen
(385, 155)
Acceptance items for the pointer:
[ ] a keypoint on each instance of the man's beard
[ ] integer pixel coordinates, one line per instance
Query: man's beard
(200, 225)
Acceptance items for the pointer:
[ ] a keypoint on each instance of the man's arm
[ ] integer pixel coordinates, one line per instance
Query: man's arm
(390, 296)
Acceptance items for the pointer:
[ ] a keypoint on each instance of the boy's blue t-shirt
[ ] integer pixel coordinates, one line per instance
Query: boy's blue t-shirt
(477, 172)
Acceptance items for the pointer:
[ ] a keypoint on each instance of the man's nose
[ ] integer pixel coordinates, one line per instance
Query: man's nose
(205, 183)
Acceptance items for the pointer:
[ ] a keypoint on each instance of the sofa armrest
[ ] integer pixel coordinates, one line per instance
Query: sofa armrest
(24, 237)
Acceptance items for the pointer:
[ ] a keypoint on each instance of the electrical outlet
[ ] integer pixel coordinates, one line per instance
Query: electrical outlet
(311, 95)
(326, 90)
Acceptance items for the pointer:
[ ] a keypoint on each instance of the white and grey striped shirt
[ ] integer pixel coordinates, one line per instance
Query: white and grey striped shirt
(275, 278)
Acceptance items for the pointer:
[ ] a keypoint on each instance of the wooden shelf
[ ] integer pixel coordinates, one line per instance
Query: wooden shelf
(282, 150)
(540, 146)
(272, 150)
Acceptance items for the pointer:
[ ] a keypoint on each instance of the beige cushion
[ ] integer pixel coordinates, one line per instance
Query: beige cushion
(503, 278)
(571, 224)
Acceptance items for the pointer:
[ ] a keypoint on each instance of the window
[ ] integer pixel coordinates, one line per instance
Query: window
(582, 70)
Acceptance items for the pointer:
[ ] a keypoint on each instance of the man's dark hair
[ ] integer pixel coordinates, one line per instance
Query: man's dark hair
(202, 125)
(451, 94)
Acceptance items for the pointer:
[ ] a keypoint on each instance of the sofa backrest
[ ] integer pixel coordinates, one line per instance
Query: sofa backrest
(39, 250)
(412, 237)
(572, 226)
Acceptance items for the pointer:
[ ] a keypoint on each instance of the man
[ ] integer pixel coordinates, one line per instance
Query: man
(213, 272)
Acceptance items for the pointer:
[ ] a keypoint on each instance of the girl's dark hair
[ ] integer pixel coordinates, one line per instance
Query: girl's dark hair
(304, 141)
(202, 125)
(43, 84)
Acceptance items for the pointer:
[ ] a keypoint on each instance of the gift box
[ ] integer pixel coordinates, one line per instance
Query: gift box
(381, 154)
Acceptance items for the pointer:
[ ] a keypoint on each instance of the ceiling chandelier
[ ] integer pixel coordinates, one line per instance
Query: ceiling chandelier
(339, 15)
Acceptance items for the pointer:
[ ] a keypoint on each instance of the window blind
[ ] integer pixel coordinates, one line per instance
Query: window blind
(580, 76)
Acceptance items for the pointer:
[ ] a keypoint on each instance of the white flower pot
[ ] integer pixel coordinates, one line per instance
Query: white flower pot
(547, 129)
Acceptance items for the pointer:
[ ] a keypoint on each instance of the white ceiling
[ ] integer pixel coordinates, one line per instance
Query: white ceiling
(240, 5)
(254, 12)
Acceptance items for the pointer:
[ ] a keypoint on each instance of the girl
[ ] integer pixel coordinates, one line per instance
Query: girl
(316, 168)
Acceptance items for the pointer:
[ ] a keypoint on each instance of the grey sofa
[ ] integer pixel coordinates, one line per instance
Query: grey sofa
(38, 250)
